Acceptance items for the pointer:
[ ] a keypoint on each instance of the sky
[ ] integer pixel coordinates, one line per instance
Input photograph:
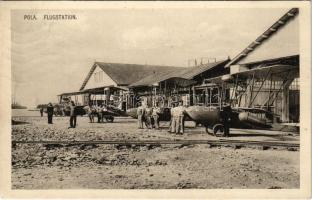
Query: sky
(52, 57)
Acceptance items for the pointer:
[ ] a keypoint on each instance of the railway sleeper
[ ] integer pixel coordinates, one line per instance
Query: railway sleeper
(147, 145)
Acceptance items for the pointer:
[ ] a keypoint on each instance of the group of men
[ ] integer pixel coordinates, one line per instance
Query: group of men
(73, 115)
(96, 111)
(177, 118)
(147, 115)
(150, 117)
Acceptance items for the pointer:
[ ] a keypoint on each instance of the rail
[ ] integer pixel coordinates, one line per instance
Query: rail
(236, 143)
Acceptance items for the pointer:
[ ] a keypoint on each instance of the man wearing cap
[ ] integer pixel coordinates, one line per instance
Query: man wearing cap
(41, 111)
(172, 125)
(73, 117)
(50, 113)
(226, 119)
(99, 111)
(140, 114)
(179, 117)
(148, 116)
(156, 111)
(88, 110)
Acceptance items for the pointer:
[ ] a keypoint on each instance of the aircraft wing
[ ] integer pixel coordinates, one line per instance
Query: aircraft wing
(252, 110)
(278, 72)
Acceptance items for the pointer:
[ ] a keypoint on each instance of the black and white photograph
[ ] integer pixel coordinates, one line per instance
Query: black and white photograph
(140, 98)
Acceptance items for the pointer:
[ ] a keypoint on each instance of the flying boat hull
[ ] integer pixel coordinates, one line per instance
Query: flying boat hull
(204, 115)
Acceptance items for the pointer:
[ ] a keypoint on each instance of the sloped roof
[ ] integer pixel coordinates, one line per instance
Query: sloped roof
(279, 40)
(158, 77)
(126, 74)
(185, 73)
(190, 73)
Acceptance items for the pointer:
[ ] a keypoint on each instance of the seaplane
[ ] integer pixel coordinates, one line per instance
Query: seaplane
(241, 91)
(252, 95)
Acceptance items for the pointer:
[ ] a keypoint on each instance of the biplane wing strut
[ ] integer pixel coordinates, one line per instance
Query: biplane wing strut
(244, 82)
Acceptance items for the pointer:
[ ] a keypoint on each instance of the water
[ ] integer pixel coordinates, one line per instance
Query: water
(24, 112)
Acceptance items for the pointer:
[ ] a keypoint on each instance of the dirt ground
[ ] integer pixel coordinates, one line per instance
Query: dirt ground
(37, 166)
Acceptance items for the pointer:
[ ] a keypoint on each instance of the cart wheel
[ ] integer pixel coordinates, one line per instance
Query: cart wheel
(218, 130)
(110, 119)
(208, 130)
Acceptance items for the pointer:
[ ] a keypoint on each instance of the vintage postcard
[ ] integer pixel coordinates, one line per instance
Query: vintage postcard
(155, 99)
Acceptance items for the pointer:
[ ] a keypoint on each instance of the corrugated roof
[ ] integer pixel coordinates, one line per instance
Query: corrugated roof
(158, 77)
(185, 73)
(126, 74)
(194, 71)
(269, 40)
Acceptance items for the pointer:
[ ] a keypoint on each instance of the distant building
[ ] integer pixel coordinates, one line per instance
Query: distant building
(178, 85)
(265, 75)
(107, 83)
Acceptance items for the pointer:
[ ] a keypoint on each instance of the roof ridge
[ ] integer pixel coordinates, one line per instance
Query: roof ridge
(88, 77)
(131, 64)
(282, 21)
(126, 74)
(178, 74)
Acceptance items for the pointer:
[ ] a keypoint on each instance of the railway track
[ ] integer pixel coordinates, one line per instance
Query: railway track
(233, 143)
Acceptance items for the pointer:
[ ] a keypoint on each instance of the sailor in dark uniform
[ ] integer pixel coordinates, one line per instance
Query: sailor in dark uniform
(73, 116)
(226, 119)
(41, 112)
(50, 113)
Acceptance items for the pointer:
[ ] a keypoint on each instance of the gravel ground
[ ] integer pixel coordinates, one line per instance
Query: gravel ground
(36, 166)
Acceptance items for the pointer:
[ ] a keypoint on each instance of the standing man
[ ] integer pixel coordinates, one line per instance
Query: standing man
(148, 116)
(156, 111)
(73, 117)
(88, 110)
(172, 125)
(140, 113)
(100, 113)
(180, 111)
(104, 113)
(226, 119)
(41, 111)
(50, 113)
